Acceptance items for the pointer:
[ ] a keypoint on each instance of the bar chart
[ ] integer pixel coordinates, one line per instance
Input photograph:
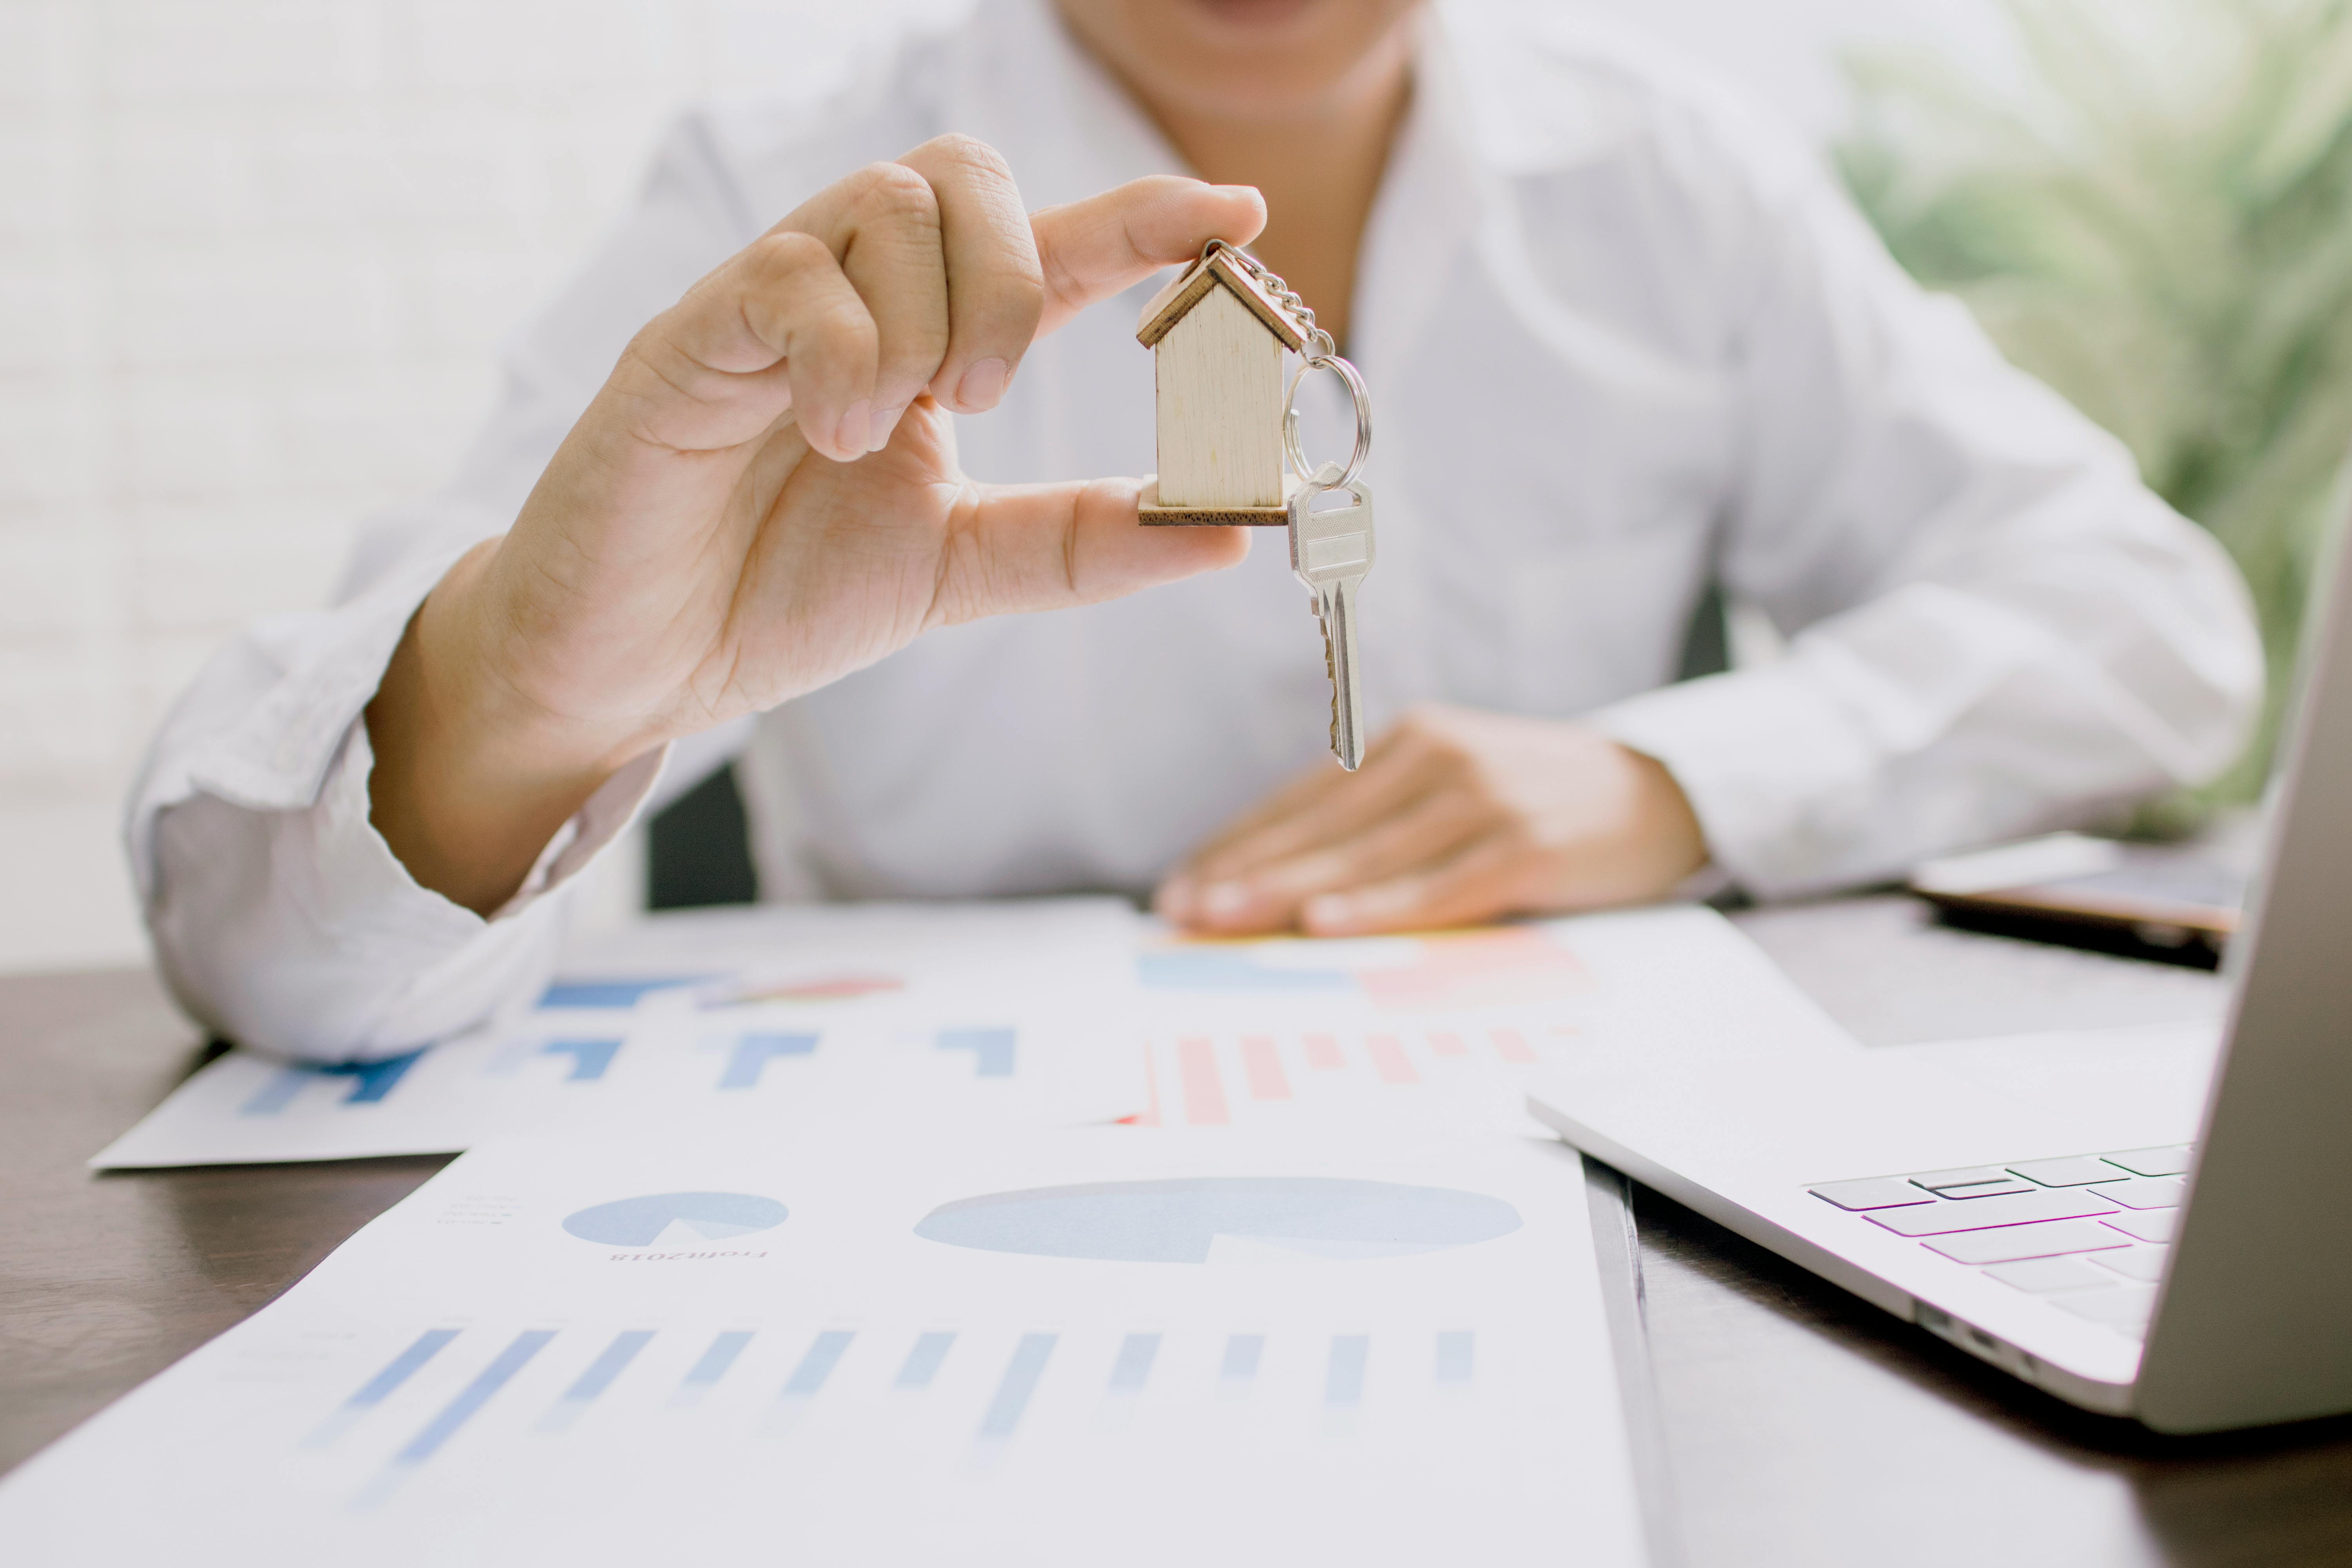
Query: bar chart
(1021, 1011)
(1221, 1077)
(791, 1384)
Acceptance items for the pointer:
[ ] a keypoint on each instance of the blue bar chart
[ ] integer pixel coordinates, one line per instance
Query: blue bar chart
(805, 1370)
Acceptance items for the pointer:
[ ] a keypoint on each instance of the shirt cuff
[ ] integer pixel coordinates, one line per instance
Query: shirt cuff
(1776, 772)
(460, 967)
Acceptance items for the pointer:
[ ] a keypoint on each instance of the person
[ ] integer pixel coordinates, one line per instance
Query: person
(769, 477)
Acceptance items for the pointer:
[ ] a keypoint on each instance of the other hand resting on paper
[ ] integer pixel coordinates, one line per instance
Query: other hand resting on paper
(765, 496)
(1456, 816)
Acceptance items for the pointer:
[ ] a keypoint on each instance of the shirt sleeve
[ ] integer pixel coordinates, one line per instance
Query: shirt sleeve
(279, 916)
(1994, 627)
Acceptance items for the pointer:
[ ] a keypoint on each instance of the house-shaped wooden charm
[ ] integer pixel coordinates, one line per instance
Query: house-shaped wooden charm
(1217, 339)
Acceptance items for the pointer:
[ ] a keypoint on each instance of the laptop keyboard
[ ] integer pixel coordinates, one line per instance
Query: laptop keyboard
(2088, 1233)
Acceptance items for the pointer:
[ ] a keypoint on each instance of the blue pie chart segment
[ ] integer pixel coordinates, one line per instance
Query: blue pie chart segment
(675, 1218)
(1223, 1219)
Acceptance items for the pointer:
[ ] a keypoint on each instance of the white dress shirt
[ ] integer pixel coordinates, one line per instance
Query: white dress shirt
(1620, 340)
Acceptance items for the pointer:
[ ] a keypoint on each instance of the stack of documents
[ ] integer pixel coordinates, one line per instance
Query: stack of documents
(880, 1233)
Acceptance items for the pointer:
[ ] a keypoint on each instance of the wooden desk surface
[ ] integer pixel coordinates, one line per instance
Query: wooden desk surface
(1798, 1425)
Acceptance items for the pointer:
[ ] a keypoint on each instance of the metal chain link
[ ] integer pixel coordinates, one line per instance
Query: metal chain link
(1317, 338)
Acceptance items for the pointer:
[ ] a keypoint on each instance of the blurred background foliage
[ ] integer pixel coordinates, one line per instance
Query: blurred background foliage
(2154, 216)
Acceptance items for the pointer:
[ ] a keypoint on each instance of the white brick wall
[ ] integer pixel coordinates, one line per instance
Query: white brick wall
(255, 258)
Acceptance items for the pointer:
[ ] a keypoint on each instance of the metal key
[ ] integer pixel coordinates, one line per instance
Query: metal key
(1330, 551)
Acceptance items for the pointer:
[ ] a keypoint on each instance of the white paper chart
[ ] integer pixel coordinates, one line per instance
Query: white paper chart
(1080, 1346)
(1019, 1011)
(1448, 1024)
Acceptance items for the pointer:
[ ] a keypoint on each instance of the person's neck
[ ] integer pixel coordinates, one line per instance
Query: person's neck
(1319, 172)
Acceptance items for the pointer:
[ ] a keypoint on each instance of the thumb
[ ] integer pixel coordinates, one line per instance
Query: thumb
(1092, 249)
(1015, 548)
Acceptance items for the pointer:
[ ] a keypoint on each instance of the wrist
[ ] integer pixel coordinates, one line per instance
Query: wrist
(472, 777)
(1663, 821)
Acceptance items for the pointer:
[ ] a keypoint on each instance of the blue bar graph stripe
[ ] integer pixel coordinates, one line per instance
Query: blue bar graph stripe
(401, 1368)
(1135, 1353)
(475, 1395)
(375, 1080)
(752, 1054)
(1344, 1385)
(1021, 1375)
(609, 1365)
(370, 1082)
(278, 1092)
(923, 1361)
(589, 1057)
(824, 1353)
(724, 1348)
(611, 992)
(1242, 1353)
(1455, 1349)
(991, 1049)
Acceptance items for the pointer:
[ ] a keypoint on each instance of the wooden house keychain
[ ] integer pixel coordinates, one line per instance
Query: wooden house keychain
(1229, 444)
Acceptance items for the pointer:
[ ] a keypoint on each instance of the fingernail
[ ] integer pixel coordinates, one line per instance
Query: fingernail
(982, 384)
(1224, 899)
(857, 427)
(884, 422)
(1175, 900)
(1327, 909)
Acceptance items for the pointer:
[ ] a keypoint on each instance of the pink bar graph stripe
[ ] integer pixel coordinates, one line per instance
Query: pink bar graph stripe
(1204, 1091)
(1445, 1043)
(1323, 1051)
(1264, 1065)
(1149, 1115)
(1514, 1046)
(1389, 1059)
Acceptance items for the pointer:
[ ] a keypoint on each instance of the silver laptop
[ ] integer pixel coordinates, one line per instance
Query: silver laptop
(2174, 1249)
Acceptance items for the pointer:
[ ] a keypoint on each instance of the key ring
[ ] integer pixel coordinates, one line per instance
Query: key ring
(1291, 446)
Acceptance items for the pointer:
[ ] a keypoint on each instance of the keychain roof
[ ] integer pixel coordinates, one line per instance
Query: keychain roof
(1218, 267)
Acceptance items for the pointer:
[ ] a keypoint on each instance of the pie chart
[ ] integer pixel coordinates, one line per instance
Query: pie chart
(675, 1219)
(1223, 1219)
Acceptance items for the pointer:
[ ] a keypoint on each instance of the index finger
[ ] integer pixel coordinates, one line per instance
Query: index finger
(1092, 249)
